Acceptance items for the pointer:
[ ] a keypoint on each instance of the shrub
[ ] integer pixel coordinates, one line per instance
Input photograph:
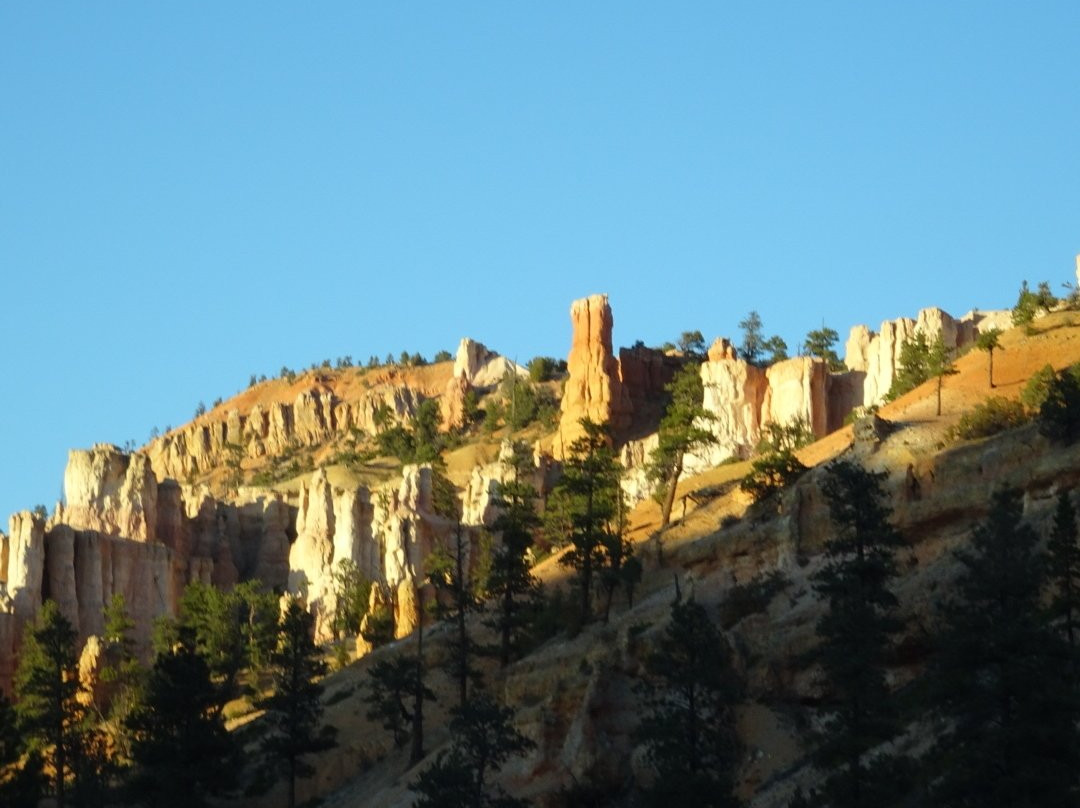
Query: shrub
(545, 368)
(752, 597)
(989, 418)
(1037, 388)
(771, 474)
(1029, 304)
(1059, 414)
(443, 356)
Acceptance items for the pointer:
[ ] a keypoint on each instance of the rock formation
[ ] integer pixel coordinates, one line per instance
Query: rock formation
(594, 389)
(481, 367)
(796, 390)
(315, 417)
(878, 354)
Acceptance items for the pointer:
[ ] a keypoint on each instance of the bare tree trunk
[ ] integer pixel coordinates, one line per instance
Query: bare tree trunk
(990, 366)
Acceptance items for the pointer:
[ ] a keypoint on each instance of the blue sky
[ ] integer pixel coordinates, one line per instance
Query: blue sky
(191, 193)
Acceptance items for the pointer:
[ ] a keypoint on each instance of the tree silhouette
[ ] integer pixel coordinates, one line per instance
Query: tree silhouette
(682, 431)
(294, 710)
(855, 635)
(688, 731)
(47, 690)
(1003, 680)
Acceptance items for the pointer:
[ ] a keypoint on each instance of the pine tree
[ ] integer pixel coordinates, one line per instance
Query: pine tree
(46, 692)
(855, 635)
(180, 748)
(1063, 559)
(120, 674)
(689, 729)
(940, 365)
(1010, 736)
(588, 495)
(682, 431)
(512, 587)
(21, 786)
(819, 343)
(913, 367)
(294, 711)
(1059, 413)
(989, 341)
(455, 599)
(484, 739)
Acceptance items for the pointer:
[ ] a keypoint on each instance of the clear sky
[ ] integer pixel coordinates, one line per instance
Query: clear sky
(194, 192)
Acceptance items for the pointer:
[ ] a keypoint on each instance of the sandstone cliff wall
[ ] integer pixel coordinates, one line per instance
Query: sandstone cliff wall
(877, 354)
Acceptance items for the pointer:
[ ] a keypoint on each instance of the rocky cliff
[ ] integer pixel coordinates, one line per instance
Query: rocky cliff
(877, 354)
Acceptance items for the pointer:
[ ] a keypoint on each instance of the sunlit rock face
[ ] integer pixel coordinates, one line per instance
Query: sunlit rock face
(593, 388)
(877, 354)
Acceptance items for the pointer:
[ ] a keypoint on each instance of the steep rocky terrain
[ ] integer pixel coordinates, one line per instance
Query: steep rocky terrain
(268, 486)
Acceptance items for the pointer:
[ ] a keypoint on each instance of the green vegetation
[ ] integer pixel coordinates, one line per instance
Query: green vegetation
(682, 431)
(856, 640)
(989, 341)
(755, 345)
(352, 591)
(689, 729)
(777, 467)
(1003, 684)
(46, 694)
(1030, 304)
(989, 418)
(483, 740)
(585, 509)
(1059, 413)
(692, 344)
(819, 343)
(513, 589)
(545, 368)
(294, 709)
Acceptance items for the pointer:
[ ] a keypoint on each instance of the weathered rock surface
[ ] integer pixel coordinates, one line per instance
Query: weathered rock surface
(796, 391)
(316, 416)
(878, 354)
(734, 393)
(481, 367)
(593, 388)
(110, 491)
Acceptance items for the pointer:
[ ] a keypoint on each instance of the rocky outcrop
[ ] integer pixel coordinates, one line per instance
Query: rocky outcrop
(316, 416)
(734, 393)
(111, 491)
(796, 390)
(877, 355)
(644, 373)
(481, 367)
(388, 532)
(593, 388)
(452, 403)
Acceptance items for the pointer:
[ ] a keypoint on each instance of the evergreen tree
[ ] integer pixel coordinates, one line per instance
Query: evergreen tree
(1063, 558)
(1059, 414)
(855, 635)
(753, 343)
(989, 341)
(21, 786)
(352, 592)
(683, 430)
(455, 599)
(939, 362)
(819, 343)
(120, 675)
(294, 711)
(484, 739)
(513, 588)
(180, 748)
(392, 682)
(913, 367)
(46, 693)
(689, 731)
(1010, 738)
(588, 495)
(692, 343)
